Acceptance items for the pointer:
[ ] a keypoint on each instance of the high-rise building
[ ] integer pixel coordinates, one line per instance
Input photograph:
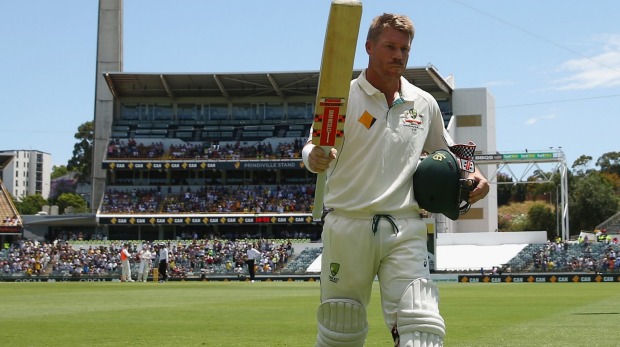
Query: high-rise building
(27, 172)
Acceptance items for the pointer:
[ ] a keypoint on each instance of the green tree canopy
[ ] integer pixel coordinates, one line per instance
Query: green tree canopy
(519, 192)
(591, 201)
(580, 166)
(542, 217)
(59, 171)
(504, 191)
(71, 200)
(609, 162)
(82, 159)
(30, 204)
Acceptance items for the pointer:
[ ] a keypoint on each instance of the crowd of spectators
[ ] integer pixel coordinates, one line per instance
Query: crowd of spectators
(10, 220)
(211, 199)
(118, 148)
(131, 201)
(131, 149)
(187, 257)
(583, 255)
(192, 256)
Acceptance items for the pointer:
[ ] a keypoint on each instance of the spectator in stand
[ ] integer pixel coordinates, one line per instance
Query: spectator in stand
(118, 149)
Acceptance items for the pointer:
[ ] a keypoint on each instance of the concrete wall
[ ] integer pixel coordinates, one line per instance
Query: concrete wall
(474, 120)
(492, 239)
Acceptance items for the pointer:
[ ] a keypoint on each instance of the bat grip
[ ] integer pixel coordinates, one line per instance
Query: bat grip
(319, 193)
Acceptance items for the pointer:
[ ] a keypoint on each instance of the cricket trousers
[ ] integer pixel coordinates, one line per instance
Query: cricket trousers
(143, 272)
(125, 270)
(356, 249)
(163, 270)
(251, 268)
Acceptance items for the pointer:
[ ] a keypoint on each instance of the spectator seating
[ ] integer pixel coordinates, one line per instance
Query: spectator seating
(567, 256)
(189, 258)
(299, 264)
(210, 199)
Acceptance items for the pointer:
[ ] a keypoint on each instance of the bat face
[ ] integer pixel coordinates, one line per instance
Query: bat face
(336, 72)
(331, 115)
(334, 83)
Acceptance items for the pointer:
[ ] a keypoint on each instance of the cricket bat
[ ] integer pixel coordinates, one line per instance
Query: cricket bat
(335, 76)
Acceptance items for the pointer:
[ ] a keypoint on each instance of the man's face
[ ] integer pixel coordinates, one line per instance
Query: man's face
(388, 55)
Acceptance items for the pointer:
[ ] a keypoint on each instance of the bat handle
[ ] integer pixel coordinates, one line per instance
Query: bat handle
(319, 193)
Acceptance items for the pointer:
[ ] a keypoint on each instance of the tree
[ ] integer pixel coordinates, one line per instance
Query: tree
(545, 185)
(580, 166)
(30, 204)
(59, 171)
(83, 152)
(71, 200)
(542, 217)
(519, 192)
(613, 179)
(60, 186)
(609, 162)
(591, 201)
(504, 191)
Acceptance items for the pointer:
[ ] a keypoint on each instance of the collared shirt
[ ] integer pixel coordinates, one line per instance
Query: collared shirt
(252, 253)
(163, 254)
(381, 149)
(145, 255)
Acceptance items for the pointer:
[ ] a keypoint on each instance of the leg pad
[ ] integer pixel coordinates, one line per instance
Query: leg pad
(419, 322)
(341, 323)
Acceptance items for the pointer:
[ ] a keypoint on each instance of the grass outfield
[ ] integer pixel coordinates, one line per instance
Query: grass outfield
(283, 314)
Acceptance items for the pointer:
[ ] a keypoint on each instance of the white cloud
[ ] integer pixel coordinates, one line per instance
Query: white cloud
(599, 71)
(534, 120)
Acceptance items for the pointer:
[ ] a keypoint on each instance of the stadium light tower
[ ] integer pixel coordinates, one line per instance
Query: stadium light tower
(109, 58)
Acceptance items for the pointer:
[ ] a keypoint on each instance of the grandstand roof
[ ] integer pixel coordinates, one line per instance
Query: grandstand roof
(282, 84)
(66, 220)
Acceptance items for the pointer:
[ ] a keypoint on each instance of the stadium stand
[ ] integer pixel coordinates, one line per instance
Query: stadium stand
(197, 258)
(189, 258)
(10, 219)
(301, 263)
(209, 199)
(562, 256)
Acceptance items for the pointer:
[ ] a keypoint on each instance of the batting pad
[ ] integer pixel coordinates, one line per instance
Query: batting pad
(342, 323)
(418, 339)
(418, 320)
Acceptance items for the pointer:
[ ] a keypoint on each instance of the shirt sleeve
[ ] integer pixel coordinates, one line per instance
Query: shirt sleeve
(438, 137)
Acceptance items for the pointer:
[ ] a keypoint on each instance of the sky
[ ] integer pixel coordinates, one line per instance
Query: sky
(552, 66)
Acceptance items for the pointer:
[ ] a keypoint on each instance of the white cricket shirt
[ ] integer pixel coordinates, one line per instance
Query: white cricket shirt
(381, 149)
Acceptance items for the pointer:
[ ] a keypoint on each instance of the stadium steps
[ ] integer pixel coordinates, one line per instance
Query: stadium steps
(301, 262)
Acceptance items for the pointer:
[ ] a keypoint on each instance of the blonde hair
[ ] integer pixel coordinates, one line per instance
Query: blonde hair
(399, 22)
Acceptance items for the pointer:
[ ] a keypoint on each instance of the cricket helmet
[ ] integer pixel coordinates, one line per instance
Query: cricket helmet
(440, 186)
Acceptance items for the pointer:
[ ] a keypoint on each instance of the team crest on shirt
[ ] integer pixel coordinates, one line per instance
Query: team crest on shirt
(412, 119)
(333, 269)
